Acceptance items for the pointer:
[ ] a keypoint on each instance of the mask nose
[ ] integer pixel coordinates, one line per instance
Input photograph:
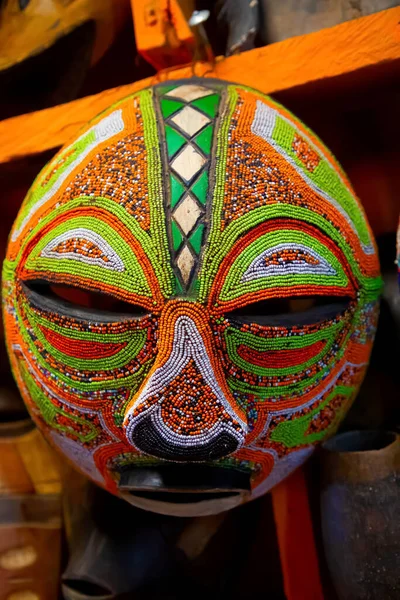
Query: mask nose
(185, 410)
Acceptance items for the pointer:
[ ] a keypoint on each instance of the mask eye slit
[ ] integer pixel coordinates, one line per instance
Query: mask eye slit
(76, 301)
(302, 310)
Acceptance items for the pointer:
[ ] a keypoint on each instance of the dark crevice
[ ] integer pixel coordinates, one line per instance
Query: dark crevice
(305, 310)
(80, 303)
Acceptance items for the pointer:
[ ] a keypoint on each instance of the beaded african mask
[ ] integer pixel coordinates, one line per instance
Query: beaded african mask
(190, 297)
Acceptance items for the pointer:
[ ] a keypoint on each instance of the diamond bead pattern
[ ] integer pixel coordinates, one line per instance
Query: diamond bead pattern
(189, 112)
(190, 120)
(188, 163)
(187, 214)
(185, 263)
(189, 92)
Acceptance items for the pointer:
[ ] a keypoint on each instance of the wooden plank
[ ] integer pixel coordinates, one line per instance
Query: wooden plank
(330, 53)
(286, 18)
(28, 464)
(296, 539)
(14, 478)
(39, 462)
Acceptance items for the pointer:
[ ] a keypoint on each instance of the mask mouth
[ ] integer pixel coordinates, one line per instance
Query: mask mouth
(184, 484)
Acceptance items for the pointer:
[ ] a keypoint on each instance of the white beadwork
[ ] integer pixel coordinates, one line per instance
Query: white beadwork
(114, 262)
(78, 454)
(102, 131)
(259, 269)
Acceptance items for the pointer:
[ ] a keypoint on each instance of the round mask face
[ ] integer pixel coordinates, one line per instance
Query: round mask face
(190, 297)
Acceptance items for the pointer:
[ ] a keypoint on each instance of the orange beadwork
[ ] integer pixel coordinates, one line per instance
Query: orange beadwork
(305, 153)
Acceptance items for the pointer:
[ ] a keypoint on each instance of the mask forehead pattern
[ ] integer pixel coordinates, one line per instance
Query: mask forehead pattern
(189, 119)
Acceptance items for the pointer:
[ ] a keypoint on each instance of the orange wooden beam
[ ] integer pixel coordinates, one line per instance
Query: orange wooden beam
(333, 53)
(294, 531)
(162, 34)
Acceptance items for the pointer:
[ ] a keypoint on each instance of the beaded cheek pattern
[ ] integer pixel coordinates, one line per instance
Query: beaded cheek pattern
(219, 288)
